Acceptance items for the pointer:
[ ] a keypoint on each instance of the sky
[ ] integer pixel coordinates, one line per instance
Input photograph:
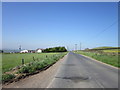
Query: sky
(48, 24)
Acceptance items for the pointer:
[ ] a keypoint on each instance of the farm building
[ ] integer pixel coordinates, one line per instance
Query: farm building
(24, 51)
(31, 51)
(39, 50)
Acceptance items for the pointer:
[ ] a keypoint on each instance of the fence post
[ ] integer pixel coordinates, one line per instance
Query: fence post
(33, 58)
(46, 56)
(22, 61)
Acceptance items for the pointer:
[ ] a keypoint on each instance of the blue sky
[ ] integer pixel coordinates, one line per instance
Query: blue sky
(41, 25)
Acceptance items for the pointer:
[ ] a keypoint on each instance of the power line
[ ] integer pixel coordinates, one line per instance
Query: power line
(106, 29)
(97, 35)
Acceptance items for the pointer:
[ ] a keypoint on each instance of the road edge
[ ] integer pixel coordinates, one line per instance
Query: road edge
(48, 86)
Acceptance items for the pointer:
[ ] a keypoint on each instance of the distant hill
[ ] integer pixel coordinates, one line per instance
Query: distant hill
(106, 47)
(9, 51)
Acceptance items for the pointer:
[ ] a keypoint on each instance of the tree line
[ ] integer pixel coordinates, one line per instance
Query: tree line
(55, 49)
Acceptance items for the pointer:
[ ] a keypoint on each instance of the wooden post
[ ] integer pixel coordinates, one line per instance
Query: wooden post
(46, 56)
(22, 61)
(33, 58)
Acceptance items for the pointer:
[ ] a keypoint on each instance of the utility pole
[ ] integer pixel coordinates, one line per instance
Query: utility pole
(20, 48)
(75, 46)
(80, 45)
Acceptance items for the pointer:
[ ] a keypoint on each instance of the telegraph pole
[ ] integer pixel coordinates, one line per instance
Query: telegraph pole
(80, 46)
(75, 46)
(20, 48)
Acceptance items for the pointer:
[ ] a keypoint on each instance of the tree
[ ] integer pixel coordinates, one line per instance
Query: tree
(55, 49)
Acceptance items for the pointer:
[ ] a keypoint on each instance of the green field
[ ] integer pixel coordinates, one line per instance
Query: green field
(108, 58)
(105, 47)
(10, 61)
(112, 51)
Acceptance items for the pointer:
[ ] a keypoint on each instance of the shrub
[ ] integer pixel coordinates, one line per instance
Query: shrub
(38, 65)
(31, 69)
(24, 69)
(7, 77)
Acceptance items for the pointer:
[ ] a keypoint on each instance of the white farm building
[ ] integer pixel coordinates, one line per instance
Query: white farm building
(24, 51)
(39, 50)
(32, 51)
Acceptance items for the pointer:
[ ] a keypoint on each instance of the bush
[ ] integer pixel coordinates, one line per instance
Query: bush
(38, 65)
(24, 69)
(32, 69)
(7, 77)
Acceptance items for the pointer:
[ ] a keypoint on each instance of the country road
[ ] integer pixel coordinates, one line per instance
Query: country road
(73, 71)
(78, 71)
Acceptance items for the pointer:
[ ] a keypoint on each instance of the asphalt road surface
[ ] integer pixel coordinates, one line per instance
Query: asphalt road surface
(77, 71)
(73, 71)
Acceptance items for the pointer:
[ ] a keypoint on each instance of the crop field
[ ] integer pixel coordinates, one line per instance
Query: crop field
(108, 58)
(10, 61)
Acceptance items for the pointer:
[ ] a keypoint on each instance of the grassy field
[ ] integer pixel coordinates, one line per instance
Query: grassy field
(31, 65)
(105, 47)
(112, 50)
(103, 57)
(10, 61)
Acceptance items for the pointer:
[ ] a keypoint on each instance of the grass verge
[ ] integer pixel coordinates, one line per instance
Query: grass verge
(103, 57)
